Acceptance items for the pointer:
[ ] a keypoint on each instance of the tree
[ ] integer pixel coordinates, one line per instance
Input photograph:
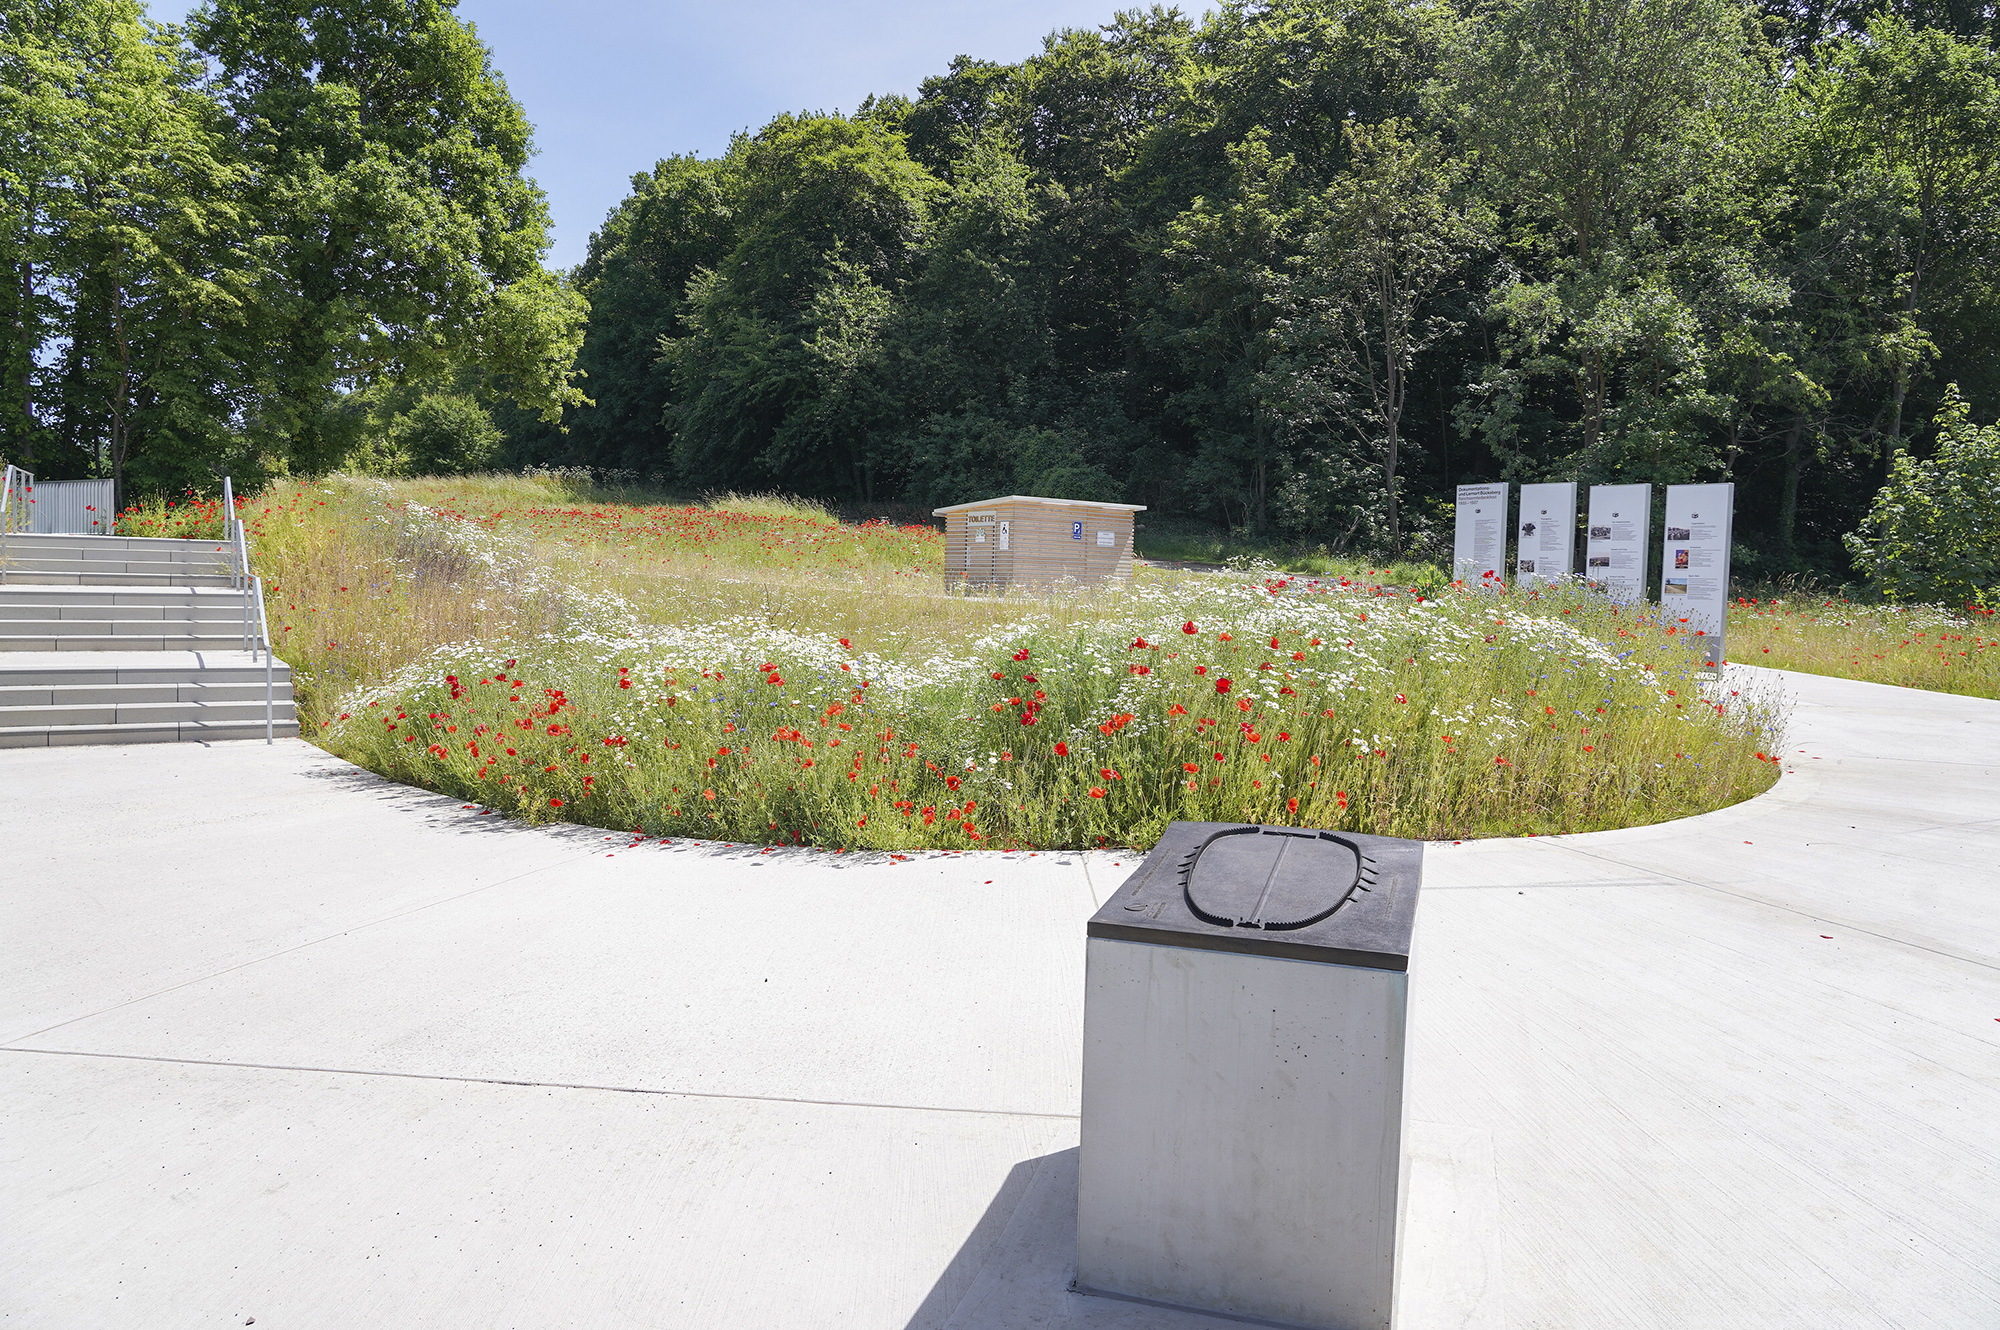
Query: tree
(678, 220)
(400, 238)
(1906, 145)
(781, 376)
(1229, 274)
(129, 270)
(1397, 226)
(1606, 126)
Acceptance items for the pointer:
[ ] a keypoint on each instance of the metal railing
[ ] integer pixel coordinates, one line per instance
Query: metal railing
(256, 625)
(15, 491)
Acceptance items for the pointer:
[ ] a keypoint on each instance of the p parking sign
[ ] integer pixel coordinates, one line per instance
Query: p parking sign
(1076, 531)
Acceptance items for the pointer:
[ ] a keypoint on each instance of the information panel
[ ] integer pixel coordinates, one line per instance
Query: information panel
(1479, 535)
(1694, 561)
(1615, 546)
(1548, 533)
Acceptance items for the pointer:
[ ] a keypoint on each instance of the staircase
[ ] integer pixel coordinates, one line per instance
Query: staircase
(127, 639)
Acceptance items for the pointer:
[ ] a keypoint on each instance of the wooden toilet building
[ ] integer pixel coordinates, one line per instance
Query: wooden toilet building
(1023, 541)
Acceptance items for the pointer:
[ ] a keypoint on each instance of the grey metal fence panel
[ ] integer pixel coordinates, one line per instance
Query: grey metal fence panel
(72, 507)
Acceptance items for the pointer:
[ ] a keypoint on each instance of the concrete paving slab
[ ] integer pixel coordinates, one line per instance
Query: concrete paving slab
(213, 1196)
(943, 982)
(134, 869)
(1660, 1077)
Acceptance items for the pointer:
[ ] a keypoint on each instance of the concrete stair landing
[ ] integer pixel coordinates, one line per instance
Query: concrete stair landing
(114, 639)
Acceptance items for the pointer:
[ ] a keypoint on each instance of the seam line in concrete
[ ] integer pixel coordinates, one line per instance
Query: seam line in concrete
(1983, 962)
(259, 960)
(544, 1085)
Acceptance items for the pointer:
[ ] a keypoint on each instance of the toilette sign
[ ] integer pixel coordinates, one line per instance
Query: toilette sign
(1614, 547)
(1479, 535)
(1548, 533)
(1694, 561)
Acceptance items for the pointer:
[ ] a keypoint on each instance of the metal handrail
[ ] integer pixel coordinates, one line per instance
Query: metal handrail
(264, 637)
(236, 570)
(19, 480)
(259, 641)
(240, 554)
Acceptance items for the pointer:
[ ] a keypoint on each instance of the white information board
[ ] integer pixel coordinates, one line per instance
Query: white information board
(1694, 560)
(1548, 533)
(1479, 535)
(1615, 545)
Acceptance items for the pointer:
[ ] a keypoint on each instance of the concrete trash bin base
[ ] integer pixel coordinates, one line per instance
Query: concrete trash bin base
(1244, 1019)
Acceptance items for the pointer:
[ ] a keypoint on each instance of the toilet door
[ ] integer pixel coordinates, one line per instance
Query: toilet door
(982, 547)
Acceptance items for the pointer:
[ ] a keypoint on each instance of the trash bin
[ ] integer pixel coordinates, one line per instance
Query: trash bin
(1246, 1000)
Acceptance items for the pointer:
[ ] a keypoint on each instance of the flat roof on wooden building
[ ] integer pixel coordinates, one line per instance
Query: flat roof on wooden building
(1029, 498)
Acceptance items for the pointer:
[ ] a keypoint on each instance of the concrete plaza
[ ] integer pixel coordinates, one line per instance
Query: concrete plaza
(282, 1041)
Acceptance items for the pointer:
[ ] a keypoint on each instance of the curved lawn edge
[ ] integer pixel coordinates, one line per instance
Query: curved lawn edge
(1774, 791)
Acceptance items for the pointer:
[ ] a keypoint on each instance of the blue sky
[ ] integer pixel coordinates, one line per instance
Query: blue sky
(612, 86)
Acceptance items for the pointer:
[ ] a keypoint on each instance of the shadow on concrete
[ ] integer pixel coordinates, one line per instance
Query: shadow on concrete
(1015, 1268)
(949, 1293)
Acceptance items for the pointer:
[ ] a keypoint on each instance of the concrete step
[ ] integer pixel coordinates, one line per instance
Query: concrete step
(148, 713)
(69, 577)
(228, 609)
(105, 550)
(145, 545)
(139, 637)
(116, 558)
(18, 565)
(184, 731)
(25, 594)
(66, 669)
(124, 694)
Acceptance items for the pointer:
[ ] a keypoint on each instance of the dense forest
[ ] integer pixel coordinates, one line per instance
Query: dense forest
(1297, 268)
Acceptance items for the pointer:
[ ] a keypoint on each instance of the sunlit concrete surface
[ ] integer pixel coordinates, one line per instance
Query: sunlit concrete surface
(282, 1041)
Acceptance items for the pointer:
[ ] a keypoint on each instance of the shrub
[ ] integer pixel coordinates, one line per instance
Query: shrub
(444, 435)
(1933, 533)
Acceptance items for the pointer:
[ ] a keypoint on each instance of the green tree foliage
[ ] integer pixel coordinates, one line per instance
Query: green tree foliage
(443, 434)
(129, 270)
(1907, 159)
(400, 237)
(1305, 265)
(679, 220)
(781, 378)
(1398, 226)
(1933, 533)
(1601, 120)
(224, 245)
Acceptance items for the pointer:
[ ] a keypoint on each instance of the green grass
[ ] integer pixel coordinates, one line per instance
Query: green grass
(1913, 646)
(753, 671)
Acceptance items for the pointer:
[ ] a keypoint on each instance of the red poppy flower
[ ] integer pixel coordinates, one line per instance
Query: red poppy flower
(1222, 685)
(1189, 627)
(1062, 750)
(1096, 792)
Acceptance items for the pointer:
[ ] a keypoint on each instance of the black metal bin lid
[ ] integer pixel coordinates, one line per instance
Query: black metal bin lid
(1288, 892)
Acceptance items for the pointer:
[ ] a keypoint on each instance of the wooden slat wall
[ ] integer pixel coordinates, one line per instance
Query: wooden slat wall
(1040, 549)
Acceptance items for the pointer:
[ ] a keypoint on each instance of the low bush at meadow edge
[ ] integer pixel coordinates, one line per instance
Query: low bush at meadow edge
(759, 672)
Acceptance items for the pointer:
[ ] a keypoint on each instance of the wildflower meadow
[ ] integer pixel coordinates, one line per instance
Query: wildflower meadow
(1915, 646)
(757, 671)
